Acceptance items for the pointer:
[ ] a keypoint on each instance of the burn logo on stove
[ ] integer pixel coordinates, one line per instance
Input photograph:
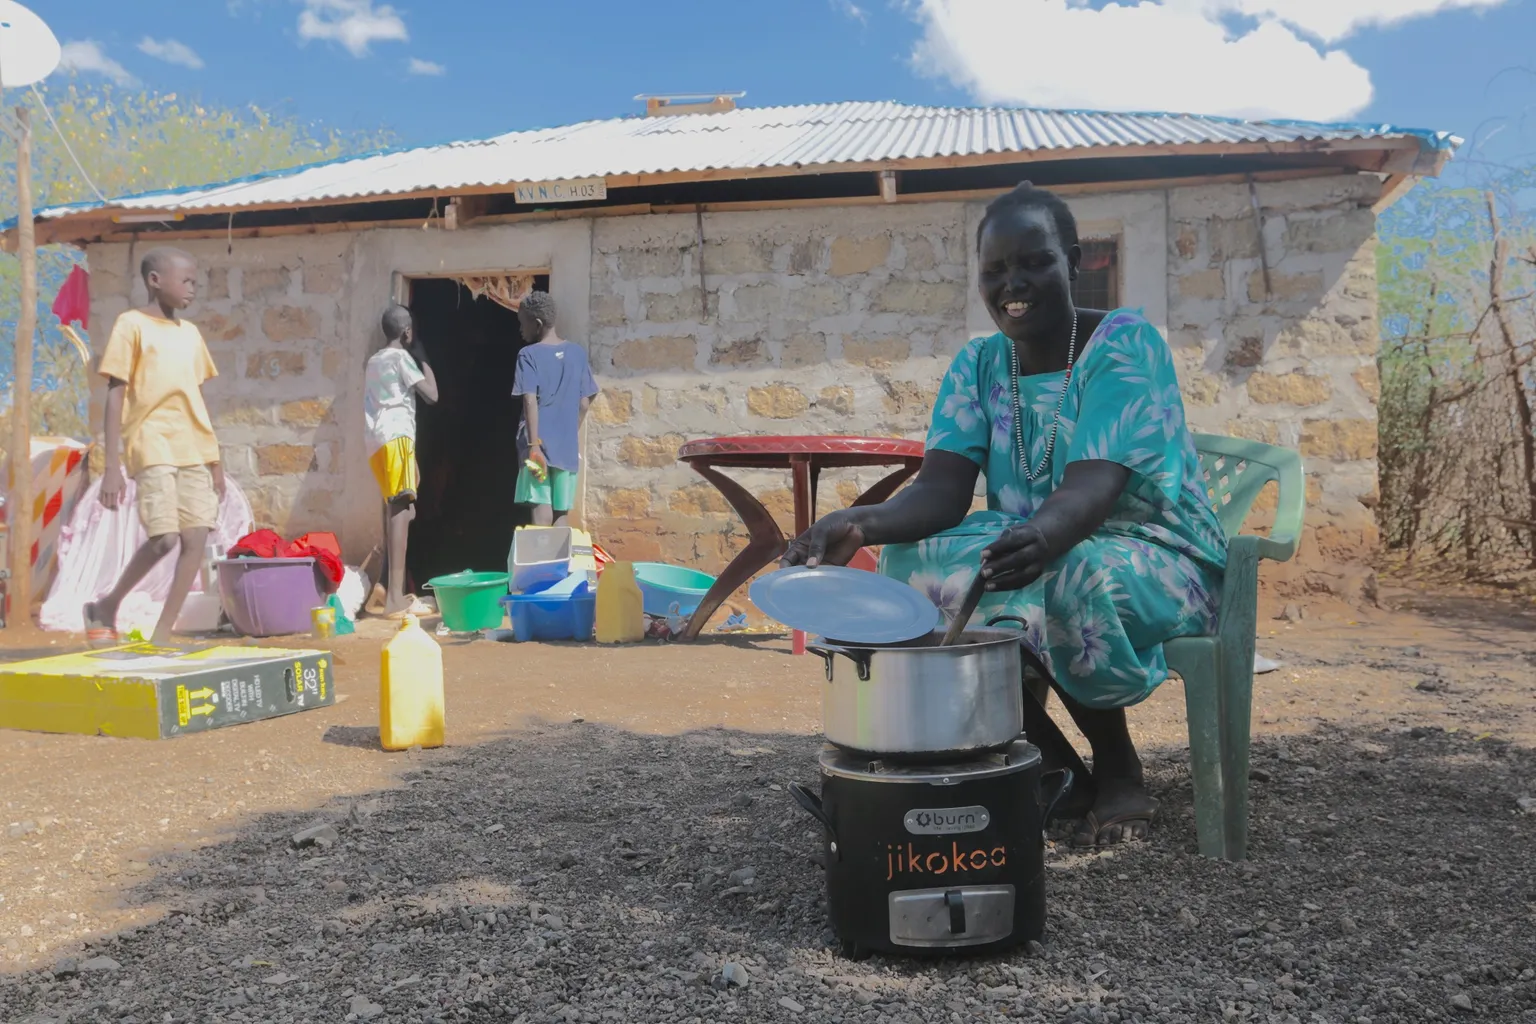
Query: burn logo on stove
(946, 821)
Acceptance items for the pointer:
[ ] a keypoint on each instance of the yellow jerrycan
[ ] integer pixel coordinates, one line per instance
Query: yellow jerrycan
(411, 689)
(620, 608)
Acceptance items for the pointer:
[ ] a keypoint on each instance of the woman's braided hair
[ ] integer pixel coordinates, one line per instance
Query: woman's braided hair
(1026, 196)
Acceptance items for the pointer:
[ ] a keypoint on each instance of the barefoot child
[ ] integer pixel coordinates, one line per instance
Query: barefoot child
(396, 375)
(158, 427)
(556, 384)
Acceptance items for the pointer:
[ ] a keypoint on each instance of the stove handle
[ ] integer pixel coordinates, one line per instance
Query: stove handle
(954, 899)
(811, 804)
(1058, 792)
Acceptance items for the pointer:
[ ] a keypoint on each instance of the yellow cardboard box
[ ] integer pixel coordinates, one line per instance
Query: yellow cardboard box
(156, 693)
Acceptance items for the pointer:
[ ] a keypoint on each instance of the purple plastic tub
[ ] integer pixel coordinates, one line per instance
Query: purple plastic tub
(270, 596)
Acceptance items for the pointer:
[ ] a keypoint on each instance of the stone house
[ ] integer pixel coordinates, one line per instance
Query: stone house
(789, 270)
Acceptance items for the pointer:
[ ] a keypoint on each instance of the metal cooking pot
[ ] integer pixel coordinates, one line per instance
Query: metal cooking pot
(921, 699)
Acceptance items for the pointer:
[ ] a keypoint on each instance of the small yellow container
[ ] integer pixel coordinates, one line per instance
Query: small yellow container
(324, 619)
(620, 606)
(411, 705)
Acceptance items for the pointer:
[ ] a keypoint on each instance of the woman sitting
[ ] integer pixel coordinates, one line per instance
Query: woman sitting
(1098, 531)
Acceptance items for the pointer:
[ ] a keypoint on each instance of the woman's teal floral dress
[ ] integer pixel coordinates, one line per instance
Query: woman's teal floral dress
(1100, 614)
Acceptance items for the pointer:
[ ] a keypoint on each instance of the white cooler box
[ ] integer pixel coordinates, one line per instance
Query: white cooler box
(548, 554)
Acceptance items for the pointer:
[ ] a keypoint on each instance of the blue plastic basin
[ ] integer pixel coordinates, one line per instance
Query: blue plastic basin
(662, 586)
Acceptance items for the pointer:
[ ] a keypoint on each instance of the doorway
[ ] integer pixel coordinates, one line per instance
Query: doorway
(466, 443)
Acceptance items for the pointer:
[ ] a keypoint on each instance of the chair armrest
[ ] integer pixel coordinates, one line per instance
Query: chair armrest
(1290, 508)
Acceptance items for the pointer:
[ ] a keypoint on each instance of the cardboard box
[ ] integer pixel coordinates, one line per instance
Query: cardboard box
(156, 693)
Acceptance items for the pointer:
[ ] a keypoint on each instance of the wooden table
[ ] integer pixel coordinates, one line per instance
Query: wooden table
(805, 458)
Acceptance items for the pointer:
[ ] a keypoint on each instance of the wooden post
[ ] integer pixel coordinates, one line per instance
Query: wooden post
(19, 503)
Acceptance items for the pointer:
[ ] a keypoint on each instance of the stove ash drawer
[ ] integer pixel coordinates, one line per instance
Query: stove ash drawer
(964, 916)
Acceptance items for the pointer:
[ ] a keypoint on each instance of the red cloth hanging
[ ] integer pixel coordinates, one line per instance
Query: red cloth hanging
(73, 304)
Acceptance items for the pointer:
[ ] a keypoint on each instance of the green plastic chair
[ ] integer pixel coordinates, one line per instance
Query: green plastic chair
(1218, 670)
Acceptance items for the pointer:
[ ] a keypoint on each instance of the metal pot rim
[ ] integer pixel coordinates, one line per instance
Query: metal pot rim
(993, 635)
(1021, 755)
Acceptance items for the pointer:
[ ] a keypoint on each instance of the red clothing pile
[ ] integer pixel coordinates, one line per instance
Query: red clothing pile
(322, 547)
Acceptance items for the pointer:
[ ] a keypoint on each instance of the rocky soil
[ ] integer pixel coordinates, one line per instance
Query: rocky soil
(582, 873)
(641, 860)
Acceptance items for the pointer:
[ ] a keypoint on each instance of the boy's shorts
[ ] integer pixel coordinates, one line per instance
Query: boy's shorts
(176, 498)
(394, 467)
(557, 489)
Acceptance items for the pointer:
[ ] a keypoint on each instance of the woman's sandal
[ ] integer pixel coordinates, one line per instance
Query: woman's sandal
(1089, 835)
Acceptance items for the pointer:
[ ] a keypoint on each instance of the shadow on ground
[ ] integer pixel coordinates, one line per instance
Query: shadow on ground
(580, 873)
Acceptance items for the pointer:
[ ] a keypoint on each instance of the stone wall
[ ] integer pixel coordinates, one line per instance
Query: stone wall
(838, 320)
(842, 320)
(1296, 367)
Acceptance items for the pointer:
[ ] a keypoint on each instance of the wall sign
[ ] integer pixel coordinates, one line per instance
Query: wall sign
(581, 190)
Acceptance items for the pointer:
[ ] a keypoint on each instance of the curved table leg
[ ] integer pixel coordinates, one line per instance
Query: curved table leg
(886, 487)
(765, 544)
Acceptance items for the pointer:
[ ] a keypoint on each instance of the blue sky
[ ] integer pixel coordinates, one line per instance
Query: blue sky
(456, 69)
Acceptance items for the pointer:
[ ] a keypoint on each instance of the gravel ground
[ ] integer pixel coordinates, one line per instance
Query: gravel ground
(585, 873)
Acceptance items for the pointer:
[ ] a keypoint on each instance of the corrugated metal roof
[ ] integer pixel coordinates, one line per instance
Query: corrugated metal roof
(821, 135)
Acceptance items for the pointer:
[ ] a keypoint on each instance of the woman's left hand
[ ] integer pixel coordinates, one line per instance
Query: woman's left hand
(1016, 559)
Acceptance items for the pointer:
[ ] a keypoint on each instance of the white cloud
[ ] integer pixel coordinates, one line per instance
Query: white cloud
(171, 51)
(849, 9)
(1180, 55)
(355, 24)
(417, 66)
(87, 57)
(1333, 20)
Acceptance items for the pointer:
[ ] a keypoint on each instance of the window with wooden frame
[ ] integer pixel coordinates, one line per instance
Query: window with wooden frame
(1098, 278)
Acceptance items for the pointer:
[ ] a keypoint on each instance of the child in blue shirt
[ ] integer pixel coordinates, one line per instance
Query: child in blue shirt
(556, 384)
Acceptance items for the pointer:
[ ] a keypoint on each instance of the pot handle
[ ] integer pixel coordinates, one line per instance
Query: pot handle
(1008, 618)
(1058, 790)
(824, 654)
(860, 659)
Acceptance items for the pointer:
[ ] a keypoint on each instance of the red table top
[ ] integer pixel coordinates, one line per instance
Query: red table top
(779, 452)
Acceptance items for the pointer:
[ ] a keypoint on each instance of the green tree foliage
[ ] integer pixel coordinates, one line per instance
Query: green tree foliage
(129, 142)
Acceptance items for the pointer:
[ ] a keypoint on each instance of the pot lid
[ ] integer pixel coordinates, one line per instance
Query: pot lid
(854, 605)
(1019, 756)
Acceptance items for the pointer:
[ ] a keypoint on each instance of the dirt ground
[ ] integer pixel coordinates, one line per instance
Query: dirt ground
(1390, 875)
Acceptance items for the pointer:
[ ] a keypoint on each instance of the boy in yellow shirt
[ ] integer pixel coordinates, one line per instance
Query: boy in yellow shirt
(155, 364)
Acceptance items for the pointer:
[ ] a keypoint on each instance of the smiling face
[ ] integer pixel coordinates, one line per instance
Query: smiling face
(1026, 274)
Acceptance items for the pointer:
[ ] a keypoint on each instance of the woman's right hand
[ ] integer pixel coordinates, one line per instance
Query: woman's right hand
(833, 540)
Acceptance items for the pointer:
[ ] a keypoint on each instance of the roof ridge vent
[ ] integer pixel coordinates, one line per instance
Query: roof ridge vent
(676, 104)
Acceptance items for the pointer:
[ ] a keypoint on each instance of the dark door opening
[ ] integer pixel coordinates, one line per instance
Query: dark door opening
(466, 443)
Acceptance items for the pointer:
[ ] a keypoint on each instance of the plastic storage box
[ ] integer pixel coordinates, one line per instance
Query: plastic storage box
(542, 555)
(270, 596)
(540, 616)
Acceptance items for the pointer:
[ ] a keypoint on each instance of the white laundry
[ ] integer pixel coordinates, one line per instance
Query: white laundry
(96, 545)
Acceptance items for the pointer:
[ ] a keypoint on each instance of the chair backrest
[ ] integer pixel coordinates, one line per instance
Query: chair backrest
(1236, 470)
